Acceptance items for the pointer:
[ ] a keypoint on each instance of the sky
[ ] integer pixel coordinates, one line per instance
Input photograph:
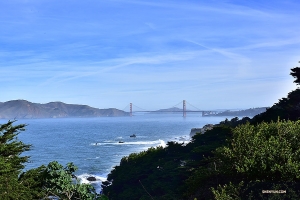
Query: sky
(219, 54)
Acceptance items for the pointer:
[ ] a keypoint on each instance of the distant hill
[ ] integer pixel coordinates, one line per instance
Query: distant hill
(22, 109)
(169, 110)
(248, 112)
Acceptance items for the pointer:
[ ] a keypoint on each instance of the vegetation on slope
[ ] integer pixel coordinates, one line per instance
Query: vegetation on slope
(159, 173)
(260, 157)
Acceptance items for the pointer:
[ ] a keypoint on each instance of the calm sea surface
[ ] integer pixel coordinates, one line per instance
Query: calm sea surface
(92, 144)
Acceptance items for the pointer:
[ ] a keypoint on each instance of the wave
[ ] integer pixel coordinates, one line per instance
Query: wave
(141, 136)
(185, 139)
(155, 142)
(94, 158)
(83, 178)
(95, 180)
(108, 141)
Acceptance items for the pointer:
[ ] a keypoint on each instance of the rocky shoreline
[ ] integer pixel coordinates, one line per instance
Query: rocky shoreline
(202, 130)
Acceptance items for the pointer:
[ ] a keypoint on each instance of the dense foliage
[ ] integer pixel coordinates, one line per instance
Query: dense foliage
(261, 157)
(287, 108)
(11, 163)
(160, 173)
(296, 74)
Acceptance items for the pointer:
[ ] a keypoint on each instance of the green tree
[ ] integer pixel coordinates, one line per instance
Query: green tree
(11, 163)
(11, 148)
(296, 74)
(203, 168)
(61, 182)
(261, 154)
(160, 173)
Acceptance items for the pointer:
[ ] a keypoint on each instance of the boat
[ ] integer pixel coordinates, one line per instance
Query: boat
(121, 142)
(133, 135)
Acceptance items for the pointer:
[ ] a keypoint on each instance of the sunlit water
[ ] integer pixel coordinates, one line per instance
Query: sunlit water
(93, 144)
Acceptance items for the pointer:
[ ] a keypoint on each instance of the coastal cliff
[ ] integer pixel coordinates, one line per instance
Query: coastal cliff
(202, 130)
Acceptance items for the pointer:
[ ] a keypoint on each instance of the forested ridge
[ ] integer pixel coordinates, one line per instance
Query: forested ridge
(237, 159)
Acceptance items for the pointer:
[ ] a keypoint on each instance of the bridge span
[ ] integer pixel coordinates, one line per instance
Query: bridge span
(184, 110)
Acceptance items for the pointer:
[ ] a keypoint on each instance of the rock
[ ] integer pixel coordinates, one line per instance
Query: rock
(202, 130)
(91, 178)
(194, 131)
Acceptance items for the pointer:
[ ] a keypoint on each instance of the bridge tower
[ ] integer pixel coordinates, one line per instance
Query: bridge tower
(130, 109)
(184, 108)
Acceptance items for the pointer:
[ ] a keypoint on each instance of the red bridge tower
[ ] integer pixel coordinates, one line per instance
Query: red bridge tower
(184, 108)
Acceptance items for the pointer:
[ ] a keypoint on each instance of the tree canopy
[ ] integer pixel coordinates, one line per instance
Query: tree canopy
(261, 157)
(296, 74)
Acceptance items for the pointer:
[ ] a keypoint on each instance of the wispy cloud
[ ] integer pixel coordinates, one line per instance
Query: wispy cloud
(273, 43)
(168, 49)
(94, 68)
(226, 53)
(216, 7)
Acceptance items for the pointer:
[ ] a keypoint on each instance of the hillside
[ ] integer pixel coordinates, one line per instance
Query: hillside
(22, 109)
(248, 112)
(169, 110)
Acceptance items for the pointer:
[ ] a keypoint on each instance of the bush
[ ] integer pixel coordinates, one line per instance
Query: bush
(266, 153)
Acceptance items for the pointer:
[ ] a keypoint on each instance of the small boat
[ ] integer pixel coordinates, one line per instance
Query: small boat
(133, 135)
(121, 142)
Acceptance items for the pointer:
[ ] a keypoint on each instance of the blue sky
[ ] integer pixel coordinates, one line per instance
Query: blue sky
(214, 54)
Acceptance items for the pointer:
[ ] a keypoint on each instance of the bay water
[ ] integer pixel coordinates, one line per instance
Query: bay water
(96, 145)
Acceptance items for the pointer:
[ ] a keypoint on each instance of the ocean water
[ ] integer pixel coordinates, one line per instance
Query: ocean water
(93, 144)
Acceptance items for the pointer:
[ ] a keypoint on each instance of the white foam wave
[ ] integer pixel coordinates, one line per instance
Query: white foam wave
(92, 158)
(182, 139)
(108, 141)
(83, 179)
(141, 136)
(97, 143)
(155, 142)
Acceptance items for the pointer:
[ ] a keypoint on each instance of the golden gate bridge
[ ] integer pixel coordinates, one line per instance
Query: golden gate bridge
(173, 109)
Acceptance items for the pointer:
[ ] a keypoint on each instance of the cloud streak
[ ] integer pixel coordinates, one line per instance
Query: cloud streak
(128, 49)
(93, 69)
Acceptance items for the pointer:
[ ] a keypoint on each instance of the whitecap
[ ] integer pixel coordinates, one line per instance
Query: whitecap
(139, 142)
(141, 136)
(83, 178)
(108, 141)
